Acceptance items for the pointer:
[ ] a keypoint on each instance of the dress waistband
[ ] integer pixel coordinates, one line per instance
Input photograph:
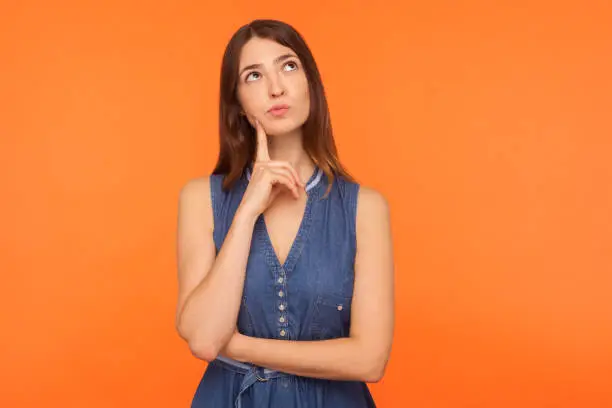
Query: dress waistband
(252, 374)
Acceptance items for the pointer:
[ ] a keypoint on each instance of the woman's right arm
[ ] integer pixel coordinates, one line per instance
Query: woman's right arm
(209, 288)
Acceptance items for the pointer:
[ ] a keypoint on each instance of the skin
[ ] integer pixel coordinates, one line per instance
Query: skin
(210, 288)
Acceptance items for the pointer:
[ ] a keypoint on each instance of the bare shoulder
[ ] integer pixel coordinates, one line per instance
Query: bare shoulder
(371, 205)
(195, 200)
(196, 188)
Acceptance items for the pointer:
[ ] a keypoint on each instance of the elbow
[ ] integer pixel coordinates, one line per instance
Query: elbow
(374, 374)
(202, 349)
(375, 369)
(199, 346)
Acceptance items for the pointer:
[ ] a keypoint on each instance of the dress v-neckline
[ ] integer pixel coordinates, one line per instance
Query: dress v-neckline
(300, 231)
(298, 242)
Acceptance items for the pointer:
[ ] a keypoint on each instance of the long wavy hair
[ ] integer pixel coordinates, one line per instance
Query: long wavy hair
(237, 138)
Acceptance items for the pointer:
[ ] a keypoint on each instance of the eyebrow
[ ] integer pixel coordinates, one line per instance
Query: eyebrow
(276, 61)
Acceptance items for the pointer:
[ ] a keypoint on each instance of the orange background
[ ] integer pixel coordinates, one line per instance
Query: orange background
(486, 125)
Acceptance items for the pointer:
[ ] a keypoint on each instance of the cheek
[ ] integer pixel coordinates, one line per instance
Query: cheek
(304, 87)
(304, 93)
(249, 99)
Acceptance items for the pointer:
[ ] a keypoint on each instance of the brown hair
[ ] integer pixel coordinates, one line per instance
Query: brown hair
(237, 138)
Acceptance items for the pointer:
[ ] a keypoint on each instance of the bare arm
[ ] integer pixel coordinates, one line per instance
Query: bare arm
(364, 354)
(209, 289)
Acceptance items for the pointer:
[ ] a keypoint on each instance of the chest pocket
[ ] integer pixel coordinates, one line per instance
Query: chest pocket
(331, 317)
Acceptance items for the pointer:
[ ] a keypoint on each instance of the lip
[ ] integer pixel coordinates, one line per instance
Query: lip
(278, 108)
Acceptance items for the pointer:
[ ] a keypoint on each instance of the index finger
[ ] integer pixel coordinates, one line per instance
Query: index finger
(262, 143)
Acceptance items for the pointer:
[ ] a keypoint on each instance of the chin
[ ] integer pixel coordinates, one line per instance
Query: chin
(280, 128)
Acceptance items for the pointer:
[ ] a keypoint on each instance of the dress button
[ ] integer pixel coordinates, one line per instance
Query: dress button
(339, 307)
(280, 280)
(282, 319)
(281, 294)
(282, 333)
(281, 307)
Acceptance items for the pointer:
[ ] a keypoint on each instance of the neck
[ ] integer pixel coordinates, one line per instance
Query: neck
(289, 147)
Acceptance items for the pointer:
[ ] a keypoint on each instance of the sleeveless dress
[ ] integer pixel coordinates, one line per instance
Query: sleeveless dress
(308, 297)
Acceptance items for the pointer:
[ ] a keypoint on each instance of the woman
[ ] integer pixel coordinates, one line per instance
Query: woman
(285, 263)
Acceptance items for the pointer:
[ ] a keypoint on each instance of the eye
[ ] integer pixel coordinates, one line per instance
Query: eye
(292, 63)
(249, 78)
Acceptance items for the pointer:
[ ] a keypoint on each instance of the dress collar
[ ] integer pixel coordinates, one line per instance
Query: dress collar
(315, 178)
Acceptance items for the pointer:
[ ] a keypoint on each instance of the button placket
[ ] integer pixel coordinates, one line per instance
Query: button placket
(281, 293)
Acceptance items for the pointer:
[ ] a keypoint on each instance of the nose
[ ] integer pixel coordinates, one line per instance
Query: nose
(276, 86)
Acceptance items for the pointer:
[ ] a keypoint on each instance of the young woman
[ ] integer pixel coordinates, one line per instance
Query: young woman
(285, 263)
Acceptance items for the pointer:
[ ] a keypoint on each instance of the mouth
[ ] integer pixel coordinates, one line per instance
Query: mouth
(278, 110)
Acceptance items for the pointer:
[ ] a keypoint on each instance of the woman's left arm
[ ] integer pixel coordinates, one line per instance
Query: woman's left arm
(364, 354)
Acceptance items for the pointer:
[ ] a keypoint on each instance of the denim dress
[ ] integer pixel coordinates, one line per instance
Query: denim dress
(307, 297)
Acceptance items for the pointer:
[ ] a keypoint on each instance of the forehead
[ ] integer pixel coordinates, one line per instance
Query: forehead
(261, 51)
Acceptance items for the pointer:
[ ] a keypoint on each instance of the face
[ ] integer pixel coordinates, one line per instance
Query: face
(272, 86)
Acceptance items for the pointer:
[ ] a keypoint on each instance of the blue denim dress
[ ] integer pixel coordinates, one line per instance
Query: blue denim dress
(308, 297)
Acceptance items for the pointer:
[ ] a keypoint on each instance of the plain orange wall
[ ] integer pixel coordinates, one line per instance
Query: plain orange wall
(486, 124)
